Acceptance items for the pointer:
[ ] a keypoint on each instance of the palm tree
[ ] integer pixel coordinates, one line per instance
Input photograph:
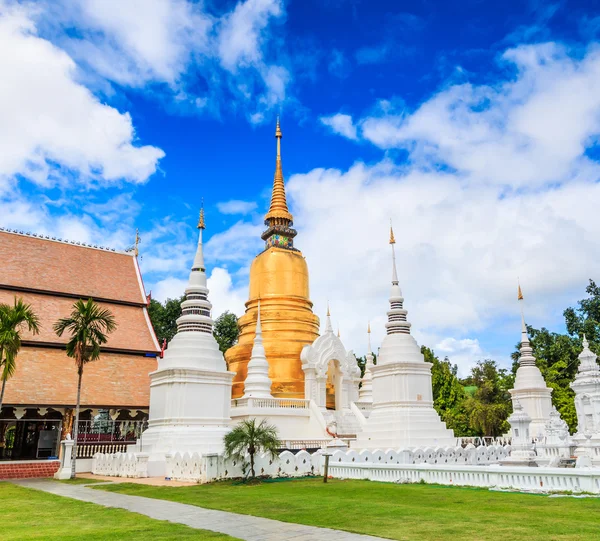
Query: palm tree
(250, 436)
(13, 319)
(88, 325)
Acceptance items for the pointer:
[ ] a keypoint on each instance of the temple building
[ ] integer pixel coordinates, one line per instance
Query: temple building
(279, 278)
(51, 275)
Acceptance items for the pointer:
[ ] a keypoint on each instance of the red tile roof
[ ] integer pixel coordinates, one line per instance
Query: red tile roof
(47, 265)
(52, 275)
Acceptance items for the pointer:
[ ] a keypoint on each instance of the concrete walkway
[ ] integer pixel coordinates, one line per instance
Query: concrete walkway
(244, 527)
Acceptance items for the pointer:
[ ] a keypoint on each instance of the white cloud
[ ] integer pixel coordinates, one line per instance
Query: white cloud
(194, 59)
(241, 32)
(340, 124)
(528, 131)
(223, 295)
(139, 40)
(49, 118)
(464, 353)
(236, 207)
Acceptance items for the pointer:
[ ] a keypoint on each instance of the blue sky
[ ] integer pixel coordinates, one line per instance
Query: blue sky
(472, 124)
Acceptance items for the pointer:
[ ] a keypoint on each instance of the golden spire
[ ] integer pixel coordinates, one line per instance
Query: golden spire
(369, 328)
(392, 239)
(519, 294)
(137, 242)
(201, 224)
(328, 313)
(279, 208)
(338, 331)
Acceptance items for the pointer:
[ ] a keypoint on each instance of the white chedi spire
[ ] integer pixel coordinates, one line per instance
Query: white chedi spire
(365, 393)
(257, 383)
(195, 310)
(397, 314)
(526, 358)
(587, 362)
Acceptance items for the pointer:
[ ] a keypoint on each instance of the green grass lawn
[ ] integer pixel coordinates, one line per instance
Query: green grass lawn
(407, 512)
(32, 514)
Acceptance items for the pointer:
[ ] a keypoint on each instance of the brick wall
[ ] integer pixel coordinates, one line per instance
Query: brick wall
(21, 470)
(48, 376)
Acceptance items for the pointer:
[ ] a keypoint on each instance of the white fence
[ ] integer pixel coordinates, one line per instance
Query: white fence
(471, 466)
(499, 477)
(120, 464)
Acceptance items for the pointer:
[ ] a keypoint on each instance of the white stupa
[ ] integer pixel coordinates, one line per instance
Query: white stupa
(190, 392)
(365, 393)
(587, 396)
(257, 383)
(530, 388)
(402, 414)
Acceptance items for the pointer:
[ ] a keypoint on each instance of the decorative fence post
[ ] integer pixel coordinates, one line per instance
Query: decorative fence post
(66, 458)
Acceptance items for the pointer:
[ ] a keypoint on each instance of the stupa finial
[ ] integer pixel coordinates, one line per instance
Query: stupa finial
(201, 224)
(585, 343)
(137, 242)
(393, 242)
(279, 220)
(369, 338)
(328, 326)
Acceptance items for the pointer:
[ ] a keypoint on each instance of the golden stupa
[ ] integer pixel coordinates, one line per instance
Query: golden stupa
(279, 277)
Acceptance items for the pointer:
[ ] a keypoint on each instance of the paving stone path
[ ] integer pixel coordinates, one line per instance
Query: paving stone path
(244, 527)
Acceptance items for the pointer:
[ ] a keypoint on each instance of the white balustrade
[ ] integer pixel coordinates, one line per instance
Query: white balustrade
(270, 403)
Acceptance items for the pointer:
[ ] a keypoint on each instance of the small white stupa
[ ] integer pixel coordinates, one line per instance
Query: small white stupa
(257, 383)
(190, 392)
(530, 388)
(402, 414)
(365, 393)
(587, 397)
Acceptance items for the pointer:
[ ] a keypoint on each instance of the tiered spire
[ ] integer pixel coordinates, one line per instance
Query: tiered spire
(195, 310)
(526, 358)
(279, 220)
(587, 360)
(397, 314)
(258, 384)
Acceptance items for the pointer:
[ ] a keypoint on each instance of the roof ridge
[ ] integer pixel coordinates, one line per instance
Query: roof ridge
(129, 251)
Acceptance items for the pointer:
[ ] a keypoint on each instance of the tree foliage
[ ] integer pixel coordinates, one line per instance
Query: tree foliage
(226, 330)
(448, 393)
(251, 437)
(88, 326)
(164, 318)
(490, 405)
(13, 320)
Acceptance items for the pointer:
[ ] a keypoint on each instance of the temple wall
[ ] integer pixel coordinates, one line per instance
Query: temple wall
(46, 376)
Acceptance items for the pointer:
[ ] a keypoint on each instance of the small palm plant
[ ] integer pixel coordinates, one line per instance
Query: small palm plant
(251, 437)
(89, 326)
(13, 320)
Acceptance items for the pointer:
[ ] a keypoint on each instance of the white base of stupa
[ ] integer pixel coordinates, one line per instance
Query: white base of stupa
(399, 426)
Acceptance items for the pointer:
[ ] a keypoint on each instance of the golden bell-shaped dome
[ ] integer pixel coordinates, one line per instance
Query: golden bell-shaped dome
(279, 278)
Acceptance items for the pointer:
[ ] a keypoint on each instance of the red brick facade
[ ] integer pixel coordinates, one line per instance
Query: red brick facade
(51, 276)
(25, 469)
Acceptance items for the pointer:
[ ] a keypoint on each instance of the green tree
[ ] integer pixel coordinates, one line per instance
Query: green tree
(490, 405)
(13, 320)
(164, 317)
(586, 317)
(362, 363)
(89, 326)
(448, 393)
(226, 330)
(251, 437)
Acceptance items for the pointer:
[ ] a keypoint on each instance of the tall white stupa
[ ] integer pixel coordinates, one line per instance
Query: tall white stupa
(530, 388)
(587, 397)
(190, 392)
(402, 414)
